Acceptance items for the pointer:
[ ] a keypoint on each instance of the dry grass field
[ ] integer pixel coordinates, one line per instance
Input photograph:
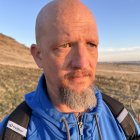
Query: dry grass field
(14, 83)
(120, 81)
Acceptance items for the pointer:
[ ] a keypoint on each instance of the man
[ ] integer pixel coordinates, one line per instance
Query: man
(66, 105)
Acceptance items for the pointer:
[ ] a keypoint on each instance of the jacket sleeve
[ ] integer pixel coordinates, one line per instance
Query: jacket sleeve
(2, 123)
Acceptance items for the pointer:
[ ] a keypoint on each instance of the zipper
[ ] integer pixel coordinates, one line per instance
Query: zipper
(80, 126)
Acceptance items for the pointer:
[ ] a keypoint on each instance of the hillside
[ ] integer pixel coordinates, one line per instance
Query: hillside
(14, 53)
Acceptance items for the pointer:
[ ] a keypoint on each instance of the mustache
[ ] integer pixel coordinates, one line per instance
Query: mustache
(78, 73)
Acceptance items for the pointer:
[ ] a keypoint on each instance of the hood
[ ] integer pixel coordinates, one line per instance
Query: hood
(42, 107)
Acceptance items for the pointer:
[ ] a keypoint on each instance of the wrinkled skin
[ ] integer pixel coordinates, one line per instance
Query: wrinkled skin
(67, 48)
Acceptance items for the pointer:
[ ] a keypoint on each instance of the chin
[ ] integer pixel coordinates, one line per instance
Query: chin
(78, 86)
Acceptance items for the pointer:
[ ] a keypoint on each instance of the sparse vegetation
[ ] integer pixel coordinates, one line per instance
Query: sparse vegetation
(16, 81)
(123, 83)
(14, 53)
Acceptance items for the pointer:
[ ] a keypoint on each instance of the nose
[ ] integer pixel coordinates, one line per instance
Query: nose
(80, 58)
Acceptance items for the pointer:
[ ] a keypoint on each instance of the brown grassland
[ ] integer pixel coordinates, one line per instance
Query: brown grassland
(120, 81)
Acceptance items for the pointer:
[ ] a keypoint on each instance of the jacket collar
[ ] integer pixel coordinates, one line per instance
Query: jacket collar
(41, 105)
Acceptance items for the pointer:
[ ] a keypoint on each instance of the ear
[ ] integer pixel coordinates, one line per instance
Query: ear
(37, 55)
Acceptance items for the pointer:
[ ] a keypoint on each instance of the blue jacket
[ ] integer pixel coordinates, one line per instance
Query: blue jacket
(47, 123)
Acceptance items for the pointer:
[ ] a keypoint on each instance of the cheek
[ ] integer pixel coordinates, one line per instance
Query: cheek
(52, 71)
(61, 61)
(54, 66)
(93, 60)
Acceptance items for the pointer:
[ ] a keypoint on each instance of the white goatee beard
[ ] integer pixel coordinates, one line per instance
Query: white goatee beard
(76, 101)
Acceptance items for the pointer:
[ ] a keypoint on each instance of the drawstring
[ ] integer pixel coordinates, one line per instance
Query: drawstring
(99, 131)
(67, 128)
(68, 132)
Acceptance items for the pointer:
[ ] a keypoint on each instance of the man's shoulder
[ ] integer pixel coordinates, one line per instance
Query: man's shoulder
(18, 121)
(122, 115)
(2, 123)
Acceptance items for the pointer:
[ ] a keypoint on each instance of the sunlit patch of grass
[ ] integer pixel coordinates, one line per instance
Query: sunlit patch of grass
(14, 83)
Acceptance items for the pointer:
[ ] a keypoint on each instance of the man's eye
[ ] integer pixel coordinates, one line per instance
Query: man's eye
(66, 45)
(91, 44)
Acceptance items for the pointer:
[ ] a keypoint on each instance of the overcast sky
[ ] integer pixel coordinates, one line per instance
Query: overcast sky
(118, 24)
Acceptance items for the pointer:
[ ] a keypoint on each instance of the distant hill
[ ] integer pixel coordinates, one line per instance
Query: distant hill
(14, 53)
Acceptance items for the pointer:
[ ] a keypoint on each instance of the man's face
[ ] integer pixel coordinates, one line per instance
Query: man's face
(69, 55)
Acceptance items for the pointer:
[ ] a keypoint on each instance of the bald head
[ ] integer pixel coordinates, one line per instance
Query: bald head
(58, 14)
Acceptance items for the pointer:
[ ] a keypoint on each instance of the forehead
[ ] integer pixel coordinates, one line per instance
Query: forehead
(73, 31)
